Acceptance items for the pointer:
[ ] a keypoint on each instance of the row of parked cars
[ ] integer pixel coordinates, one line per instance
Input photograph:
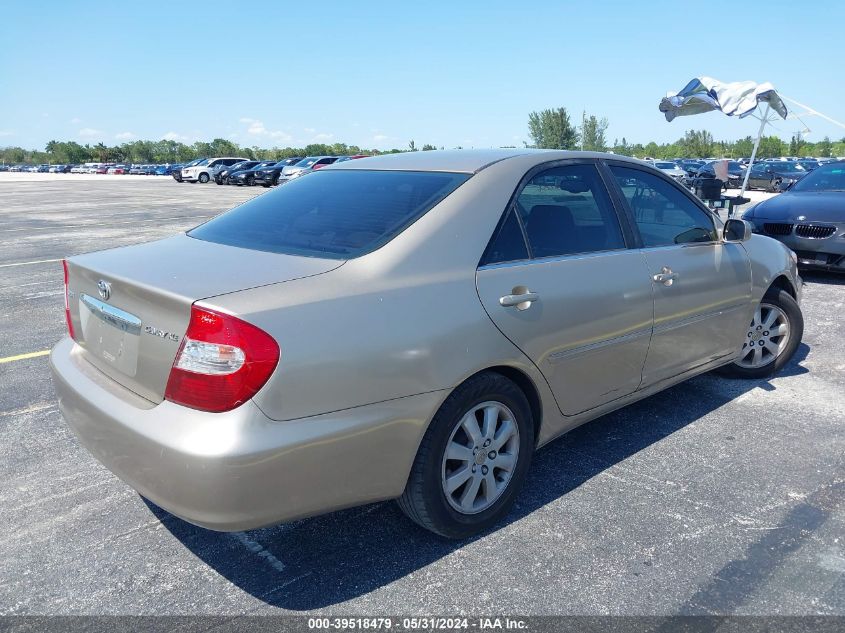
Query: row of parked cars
(228, 170)
(93, 168)
(771, 174)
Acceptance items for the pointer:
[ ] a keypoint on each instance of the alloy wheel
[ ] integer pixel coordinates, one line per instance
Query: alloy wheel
(767, 337)
(480, 457)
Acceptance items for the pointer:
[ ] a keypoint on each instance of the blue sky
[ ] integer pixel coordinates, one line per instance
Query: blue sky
(378, 74)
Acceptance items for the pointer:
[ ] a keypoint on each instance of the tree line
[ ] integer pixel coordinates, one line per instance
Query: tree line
(166, 151)
(554, 129)
(548, 129)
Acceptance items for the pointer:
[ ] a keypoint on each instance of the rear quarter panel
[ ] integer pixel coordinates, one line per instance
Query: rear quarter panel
(403, 320)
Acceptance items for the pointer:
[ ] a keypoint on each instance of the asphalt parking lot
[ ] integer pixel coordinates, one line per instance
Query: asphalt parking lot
(716, 496)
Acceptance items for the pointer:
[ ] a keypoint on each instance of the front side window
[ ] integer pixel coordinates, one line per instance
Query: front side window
(664, 215)
(567, 210)
(336, 214)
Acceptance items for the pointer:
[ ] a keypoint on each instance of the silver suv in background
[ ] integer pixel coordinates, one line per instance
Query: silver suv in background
(205, 169)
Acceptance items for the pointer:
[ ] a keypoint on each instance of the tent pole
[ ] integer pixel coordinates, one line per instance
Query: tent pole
(763, 120)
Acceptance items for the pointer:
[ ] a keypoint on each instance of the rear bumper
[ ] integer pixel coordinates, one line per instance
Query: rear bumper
(240, 470)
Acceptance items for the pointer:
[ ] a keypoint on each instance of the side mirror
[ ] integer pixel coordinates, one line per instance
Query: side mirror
(737, 230)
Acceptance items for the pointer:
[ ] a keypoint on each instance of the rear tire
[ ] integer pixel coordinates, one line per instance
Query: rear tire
(473, 458)
(778, 311)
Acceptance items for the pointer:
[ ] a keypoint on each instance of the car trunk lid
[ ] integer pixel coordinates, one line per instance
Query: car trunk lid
(130, 306)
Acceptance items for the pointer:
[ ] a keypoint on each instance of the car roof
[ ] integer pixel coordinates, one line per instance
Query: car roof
(467, 161)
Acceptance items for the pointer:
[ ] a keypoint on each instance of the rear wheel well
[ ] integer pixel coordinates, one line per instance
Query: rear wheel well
(783, 283)
(525, 383)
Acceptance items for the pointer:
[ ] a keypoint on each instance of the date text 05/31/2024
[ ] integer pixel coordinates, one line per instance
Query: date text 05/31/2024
(415, 623)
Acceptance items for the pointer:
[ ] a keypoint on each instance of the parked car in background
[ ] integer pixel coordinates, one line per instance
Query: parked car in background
(809, 218)
(118, 170)
(269, 176)
(341, 159)
(16, 168)
(204, 170)
(691, 166)
(244, 376)
(177, 173)
(102, 169)
(247, 176)
(305, 166)
(670, 169)
(221, 176)
(809, 165)
(736, 173)
(775, 175)
(79, 169)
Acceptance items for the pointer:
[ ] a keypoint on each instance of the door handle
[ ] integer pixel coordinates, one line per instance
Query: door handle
(521, 301)
(665, 276)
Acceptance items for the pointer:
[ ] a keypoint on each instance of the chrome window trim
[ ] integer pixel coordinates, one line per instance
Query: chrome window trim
(555, 258)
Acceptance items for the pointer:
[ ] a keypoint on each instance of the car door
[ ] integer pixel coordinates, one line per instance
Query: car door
(760, 177)
(561, 281)
(701, 284)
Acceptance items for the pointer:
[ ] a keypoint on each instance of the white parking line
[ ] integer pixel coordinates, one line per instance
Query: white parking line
(85, 226)
(37, 261)
(257, 548)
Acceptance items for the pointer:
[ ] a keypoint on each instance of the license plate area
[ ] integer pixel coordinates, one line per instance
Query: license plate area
(110, 334)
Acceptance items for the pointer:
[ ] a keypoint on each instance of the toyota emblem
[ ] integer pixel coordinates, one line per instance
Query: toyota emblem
(105, 289)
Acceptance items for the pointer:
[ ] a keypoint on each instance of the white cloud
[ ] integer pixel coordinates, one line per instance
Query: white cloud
(257, 128)
(174, 136)
(322, 136)
(124, 136)
(378, 138)
(6, 133)
(89, 132)
(76, 120)
(310, 130)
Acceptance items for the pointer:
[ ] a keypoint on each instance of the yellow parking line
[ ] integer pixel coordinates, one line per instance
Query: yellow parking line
(10, 359)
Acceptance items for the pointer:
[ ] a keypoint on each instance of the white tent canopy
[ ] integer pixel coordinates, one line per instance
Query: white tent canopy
(739, 99)
(704, 94)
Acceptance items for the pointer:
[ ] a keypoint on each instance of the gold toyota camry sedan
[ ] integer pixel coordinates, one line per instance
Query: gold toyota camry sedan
(407, 327)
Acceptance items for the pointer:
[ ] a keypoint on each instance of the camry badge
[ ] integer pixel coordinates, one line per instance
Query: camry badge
(104, 289)
(801, 218)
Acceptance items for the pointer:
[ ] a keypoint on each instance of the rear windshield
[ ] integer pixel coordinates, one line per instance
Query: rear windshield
(336, 214)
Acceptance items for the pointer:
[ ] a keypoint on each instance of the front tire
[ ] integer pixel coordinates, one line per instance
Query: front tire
(473, 458)
(773, 336)
(203, 178)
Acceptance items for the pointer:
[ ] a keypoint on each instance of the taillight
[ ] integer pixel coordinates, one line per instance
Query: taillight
(222, 362)
(67, 305)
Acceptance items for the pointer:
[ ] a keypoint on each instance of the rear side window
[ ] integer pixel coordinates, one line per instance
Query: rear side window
(508, 245)
(334, 214)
